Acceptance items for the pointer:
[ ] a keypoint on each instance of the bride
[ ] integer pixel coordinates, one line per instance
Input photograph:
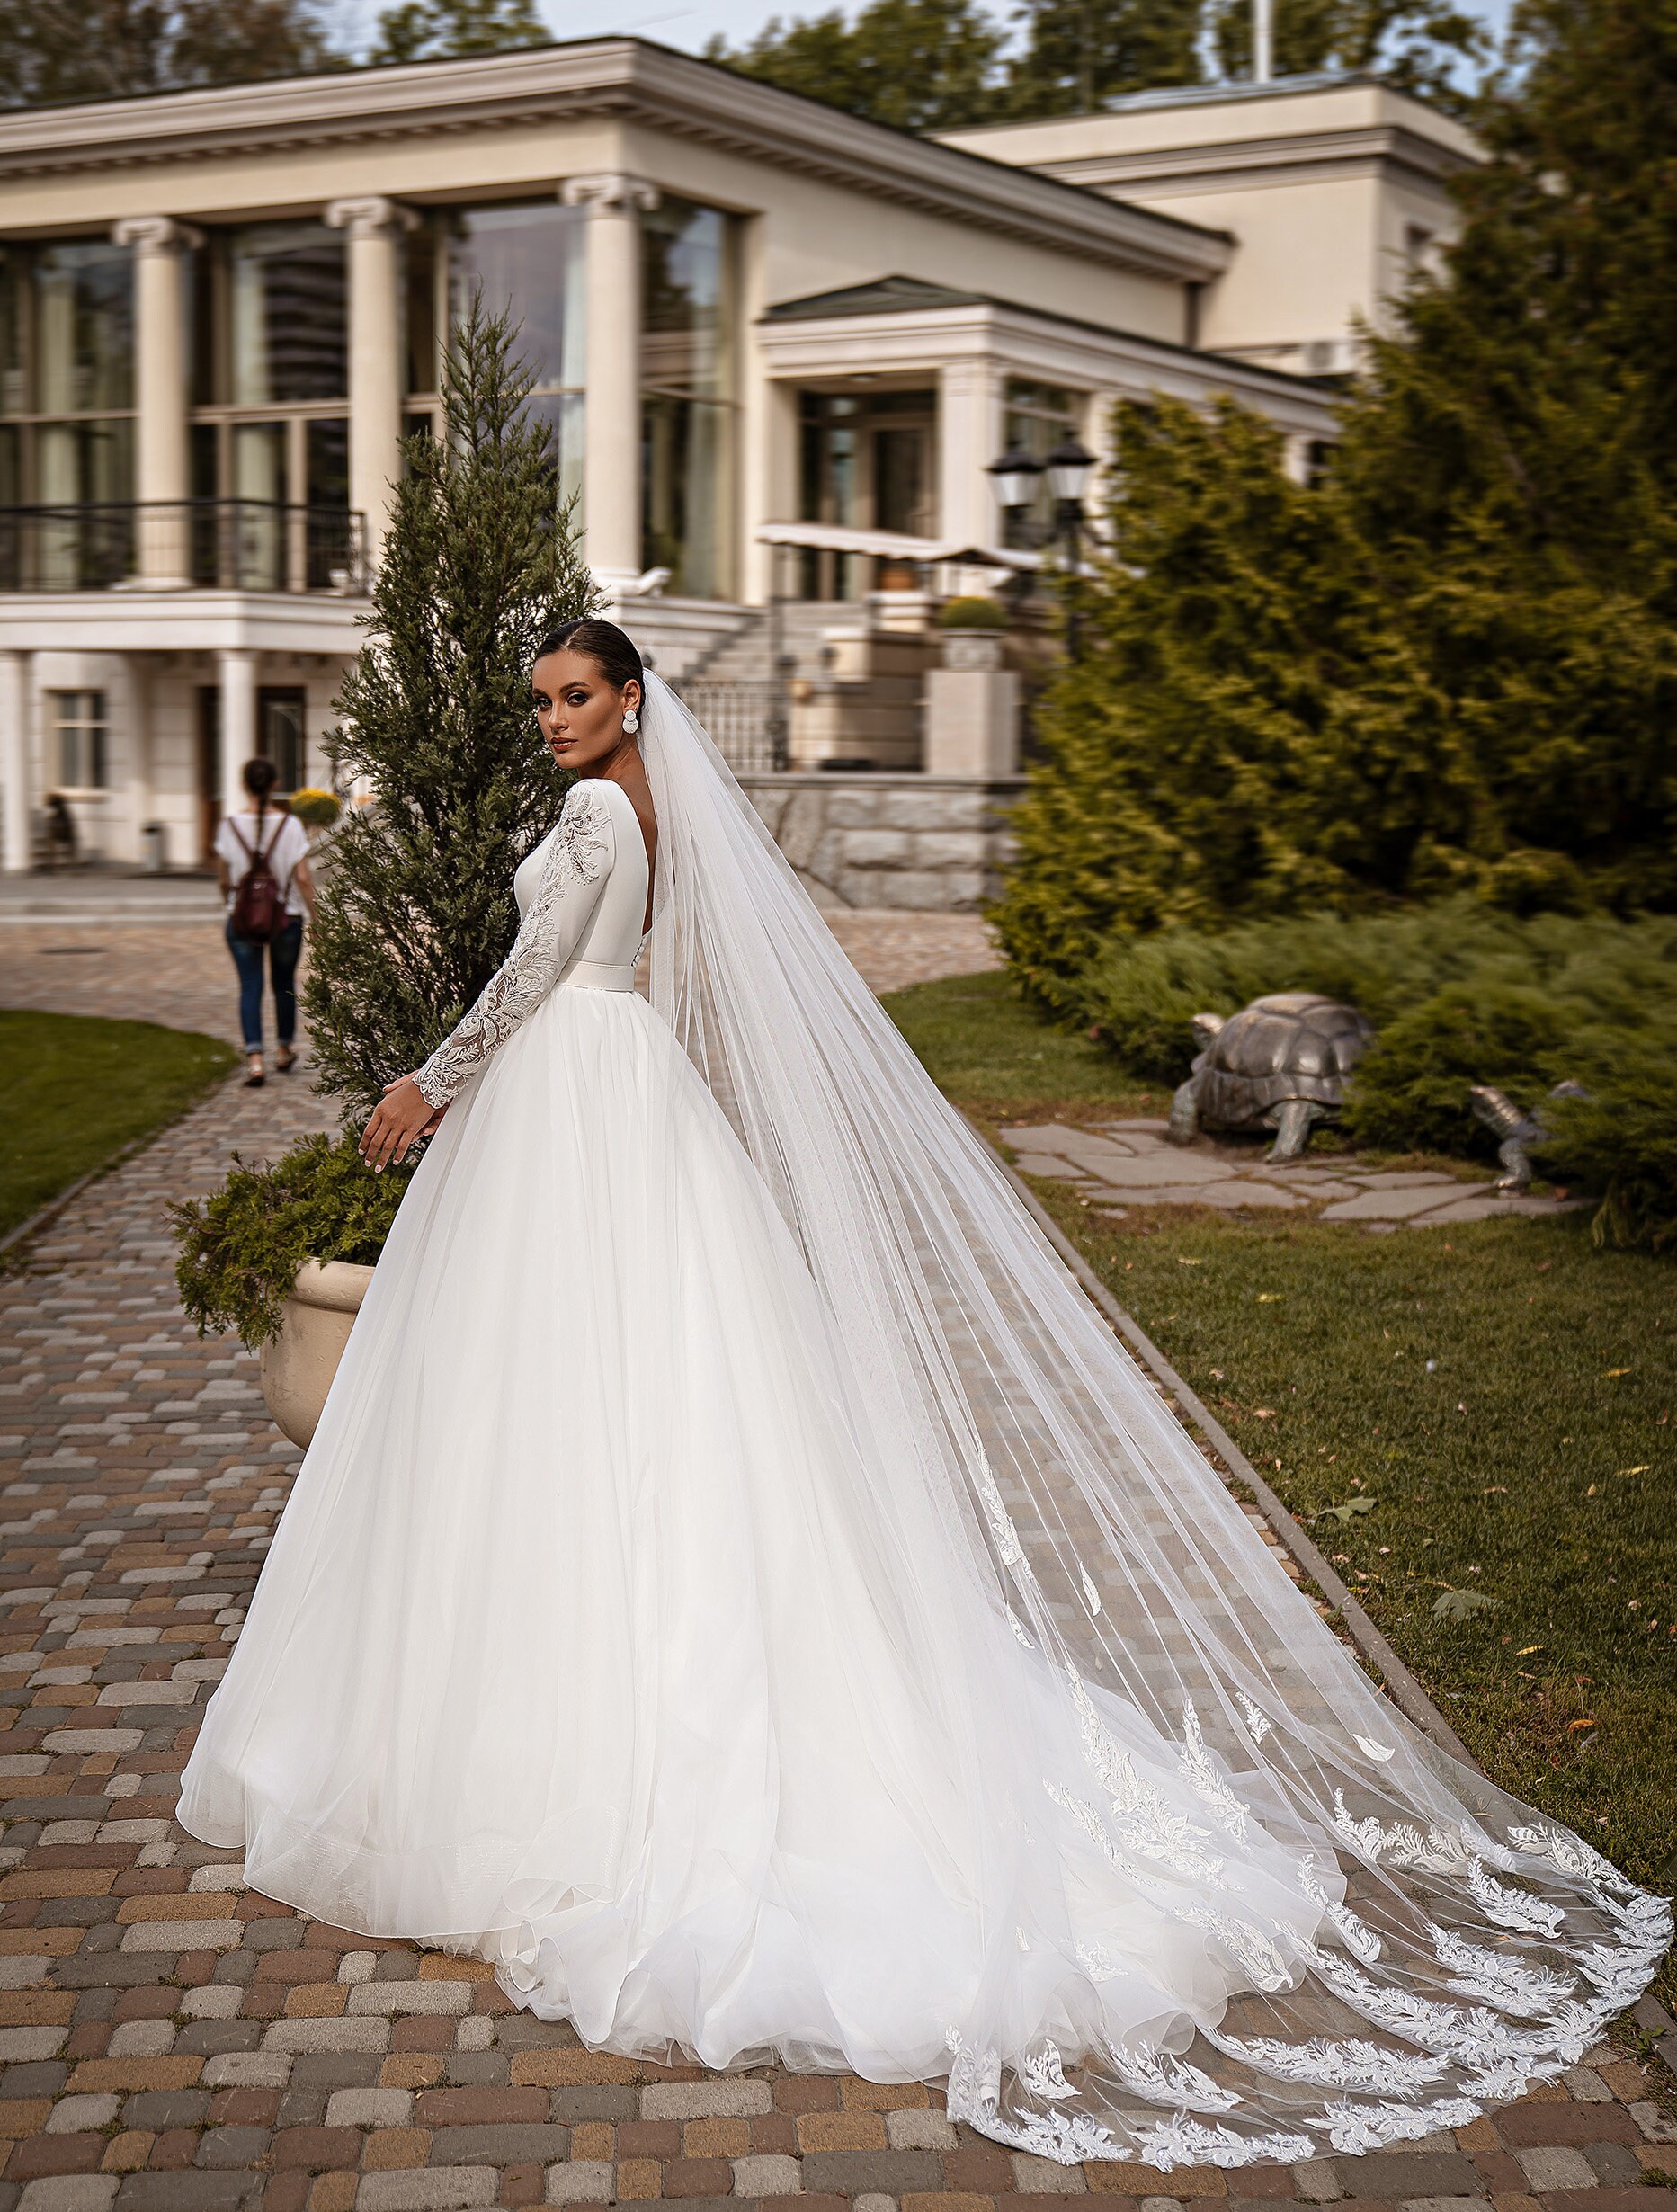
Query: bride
(740, 1586)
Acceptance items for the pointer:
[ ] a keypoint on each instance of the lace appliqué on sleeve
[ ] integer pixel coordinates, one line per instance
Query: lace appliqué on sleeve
(578, 860)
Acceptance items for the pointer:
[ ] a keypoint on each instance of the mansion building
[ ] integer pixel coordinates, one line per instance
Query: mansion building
(778, 349)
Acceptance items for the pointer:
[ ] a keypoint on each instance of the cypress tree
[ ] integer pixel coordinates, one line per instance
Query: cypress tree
(435, 725)
(1452, 666)
(1245, 730)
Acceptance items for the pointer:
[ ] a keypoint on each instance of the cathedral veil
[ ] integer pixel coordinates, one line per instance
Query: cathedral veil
(1414, 1945)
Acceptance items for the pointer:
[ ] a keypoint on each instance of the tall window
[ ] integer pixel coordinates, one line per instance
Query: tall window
(867, 461)
(528, 263)
(1037, 417)
(81, 739)
(271, 379)
(280, 733)
(66, 381)
(686, 376)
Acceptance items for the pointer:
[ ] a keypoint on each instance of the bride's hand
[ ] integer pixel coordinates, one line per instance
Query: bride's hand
(401, 1117)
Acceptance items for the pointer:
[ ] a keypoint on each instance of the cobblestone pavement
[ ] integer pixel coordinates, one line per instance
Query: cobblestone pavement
(1114, 1166)
(171, 2041)
(180, 974)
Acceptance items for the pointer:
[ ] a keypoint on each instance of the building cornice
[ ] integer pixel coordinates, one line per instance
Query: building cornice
(1293, 157)
(636, 83)
(838, 346)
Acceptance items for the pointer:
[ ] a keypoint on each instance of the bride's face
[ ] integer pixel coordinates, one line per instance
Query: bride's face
(580, 713)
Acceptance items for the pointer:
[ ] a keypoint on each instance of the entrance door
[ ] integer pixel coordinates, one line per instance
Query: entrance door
(208, 769)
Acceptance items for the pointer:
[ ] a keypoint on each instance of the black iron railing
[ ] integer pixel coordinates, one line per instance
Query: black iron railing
(239, 544)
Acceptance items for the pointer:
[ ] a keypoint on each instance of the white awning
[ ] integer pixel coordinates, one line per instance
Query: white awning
(892, 545)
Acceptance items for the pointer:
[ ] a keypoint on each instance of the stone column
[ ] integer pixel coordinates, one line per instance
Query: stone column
(611, 425)
(969, 438)
(238, 722)
(162, 395)
(17, 719)
(374, 228)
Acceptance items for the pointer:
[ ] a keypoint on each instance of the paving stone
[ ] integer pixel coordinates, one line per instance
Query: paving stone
(1556, 2166)
(591, 2180)
(732, 2097)
(180, 1979)
(428, 2188)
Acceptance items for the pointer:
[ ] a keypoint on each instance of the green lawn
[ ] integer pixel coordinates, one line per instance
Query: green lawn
(74, 1091)
(1533, 1463)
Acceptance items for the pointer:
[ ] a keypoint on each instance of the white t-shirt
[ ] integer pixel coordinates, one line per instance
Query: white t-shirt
(282, 836)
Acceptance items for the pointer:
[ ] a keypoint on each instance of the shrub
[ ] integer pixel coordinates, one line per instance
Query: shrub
(1410, 1089)
(241, 1247)
(1621, 1139)
(1460, 993)
(315, 809)
(972, 613)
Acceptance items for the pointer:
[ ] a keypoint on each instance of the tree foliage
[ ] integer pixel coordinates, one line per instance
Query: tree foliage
(1245, 730)
(920, 65)
(1418, 46)
(1455, 662)
(430, 30)
(53, 52)
(416, 911)
(947, 64)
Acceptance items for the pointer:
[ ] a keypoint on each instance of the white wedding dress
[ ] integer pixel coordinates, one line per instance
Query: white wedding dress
(571, 1645)
(619, 1629)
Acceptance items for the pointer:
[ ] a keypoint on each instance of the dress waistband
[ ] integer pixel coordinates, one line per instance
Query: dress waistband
(598, 976)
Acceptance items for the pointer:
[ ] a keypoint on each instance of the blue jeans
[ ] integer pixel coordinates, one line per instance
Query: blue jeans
(283, 955)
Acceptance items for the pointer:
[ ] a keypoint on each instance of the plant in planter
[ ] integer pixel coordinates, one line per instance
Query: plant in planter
(315, 809)
(417, 911)
(973, 634)
(972, 611)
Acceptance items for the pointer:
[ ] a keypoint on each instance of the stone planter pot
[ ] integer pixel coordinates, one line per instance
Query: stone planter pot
(973, 651)
(299, 1364)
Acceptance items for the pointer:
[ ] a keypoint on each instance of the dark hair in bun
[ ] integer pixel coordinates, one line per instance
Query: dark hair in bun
(612, 652)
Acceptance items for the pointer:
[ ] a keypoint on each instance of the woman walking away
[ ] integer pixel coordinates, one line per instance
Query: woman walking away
(262, 863)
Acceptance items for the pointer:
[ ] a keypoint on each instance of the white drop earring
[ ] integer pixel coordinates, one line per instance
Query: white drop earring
(631, 723)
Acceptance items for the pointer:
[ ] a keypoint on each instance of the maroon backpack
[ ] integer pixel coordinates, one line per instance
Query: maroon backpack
(258, 903)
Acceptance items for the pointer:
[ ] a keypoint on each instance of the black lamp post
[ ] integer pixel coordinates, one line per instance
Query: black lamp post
(1070, 466)
(1016, 476)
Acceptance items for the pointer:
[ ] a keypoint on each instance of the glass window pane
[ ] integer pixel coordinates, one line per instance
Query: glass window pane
(287, 316)
(686, 467)
(328, 448)
(13, 277)
(81, 463)
(528, 263)
(562, 413)
(419, 299)
(685, 325)
(280, 733)
(84, 305)
(82, 730)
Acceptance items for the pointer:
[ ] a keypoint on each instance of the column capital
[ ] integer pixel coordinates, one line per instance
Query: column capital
(609, 191)
(369, 217)
(155, 234)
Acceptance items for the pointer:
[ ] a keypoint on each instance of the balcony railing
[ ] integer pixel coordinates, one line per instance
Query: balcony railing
(235, 545)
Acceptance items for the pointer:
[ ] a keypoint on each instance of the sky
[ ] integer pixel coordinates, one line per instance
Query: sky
(689, 23)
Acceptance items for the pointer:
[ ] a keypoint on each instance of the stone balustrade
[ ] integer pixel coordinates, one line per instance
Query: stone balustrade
(932, 844)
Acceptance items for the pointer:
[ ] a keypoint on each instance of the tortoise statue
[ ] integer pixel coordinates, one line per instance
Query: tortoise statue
(1280, 1064)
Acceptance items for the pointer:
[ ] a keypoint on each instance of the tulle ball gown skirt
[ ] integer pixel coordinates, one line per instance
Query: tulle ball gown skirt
(583, 1645)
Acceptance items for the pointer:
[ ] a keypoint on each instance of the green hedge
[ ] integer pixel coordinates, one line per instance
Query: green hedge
(1459, 993)
(241, 1246)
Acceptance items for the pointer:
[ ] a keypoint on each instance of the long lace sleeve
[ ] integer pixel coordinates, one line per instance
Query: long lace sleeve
(578, 861)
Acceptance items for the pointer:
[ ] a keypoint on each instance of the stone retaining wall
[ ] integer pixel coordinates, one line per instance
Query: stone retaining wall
(932, 844)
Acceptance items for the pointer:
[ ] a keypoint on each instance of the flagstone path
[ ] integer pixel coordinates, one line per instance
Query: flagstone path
(1114, 1166)
(172, 2041)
